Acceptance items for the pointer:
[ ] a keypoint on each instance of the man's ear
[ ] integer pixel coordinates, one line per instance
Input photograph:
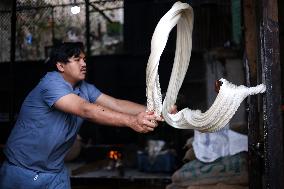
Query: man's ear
(60, 66)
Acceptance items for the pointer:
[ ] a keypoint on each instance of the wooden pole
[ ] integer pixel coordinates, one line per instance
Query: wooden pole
(264, 112)
(269, 58)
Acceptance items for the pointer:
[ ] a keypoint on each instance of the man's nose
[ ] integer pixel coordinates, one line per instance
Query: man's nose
(83, 62)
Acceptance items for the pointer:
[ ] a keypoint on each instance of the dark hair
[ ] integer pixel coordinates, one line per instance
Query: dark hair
(62, 52)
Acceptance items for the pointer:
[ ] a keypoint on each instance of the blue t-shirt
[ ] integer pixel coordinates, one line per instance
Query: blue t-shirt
(42, 134)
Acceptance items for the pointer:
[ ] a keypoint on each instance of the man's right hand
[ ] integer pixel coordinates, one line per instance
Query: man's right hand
(145, 122)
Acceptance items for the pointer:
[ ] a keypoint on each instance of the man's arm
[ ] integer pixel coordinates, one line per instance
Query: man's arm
(73, 104)
(123, 106)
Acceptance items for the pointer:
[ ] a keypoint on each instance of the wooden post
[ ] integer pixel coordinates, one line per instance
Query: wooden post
(264, 116)
(270, 60)
(254, 129)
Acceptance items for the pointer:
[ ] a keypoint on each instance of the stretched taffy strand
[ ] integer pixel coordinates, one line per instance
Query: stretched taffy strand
(228, 99)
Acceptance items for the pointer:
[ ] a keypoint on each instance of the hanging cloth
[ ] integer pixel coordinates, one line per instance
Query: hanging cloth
(228, 99)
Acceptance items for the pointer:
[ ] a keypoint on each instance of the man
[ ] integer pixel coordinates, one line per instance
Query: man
(51, 116)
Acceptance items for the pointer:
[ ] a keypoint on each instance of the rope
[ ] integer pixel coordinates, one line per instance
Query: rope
(228, 99)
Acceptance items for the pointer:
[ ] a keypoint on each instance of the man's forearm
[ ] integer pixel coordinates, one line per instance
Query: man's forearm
(129, 107)
(119, 105)
(141, 122)
(106, 116)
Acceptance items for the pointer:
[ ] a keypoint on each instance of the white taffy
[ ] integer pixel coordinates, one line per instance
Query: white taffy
(227, 101)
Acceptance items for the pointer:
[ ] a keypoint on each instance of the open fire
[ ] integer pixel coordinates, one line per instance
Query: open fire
(114, 155)
(115, 162)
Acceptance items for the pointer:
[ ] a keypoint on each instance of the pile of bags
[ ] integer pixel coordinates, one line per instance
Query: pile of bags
(223, 166)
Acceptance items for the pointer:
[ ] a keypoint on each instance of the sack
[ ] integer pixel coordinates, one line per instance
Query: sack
(218, 186)
(229, 170)
(215, 186)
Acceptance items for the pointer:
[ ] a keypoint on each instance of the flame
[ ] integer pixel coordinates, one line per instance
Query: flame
(114, 155)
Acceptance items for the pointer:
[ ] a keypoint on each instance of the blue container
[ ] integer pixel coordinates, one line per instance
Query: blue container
(165, 162)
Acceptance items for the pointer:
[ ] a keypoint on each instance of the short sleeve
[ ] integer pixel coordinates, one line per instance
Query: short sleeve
(53, 90)
(93, 92)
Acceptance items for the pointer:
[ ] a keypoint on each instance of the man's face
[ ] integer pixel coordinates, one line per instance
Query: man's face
(75, 70)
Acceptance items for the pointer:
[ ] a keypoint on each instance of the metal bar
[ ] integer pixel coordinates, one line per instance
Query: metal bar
(101, 12)
(270, 61)
(23, 8)
(5, 11)
(108, 9)
(52, 26)
(88, 47)
(12, 61)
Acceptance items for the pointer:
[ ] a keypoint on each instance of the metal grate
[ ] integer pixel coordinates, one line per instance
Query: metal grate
(5, 35)
(34, 32)
(41, 24)
(106, 27)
